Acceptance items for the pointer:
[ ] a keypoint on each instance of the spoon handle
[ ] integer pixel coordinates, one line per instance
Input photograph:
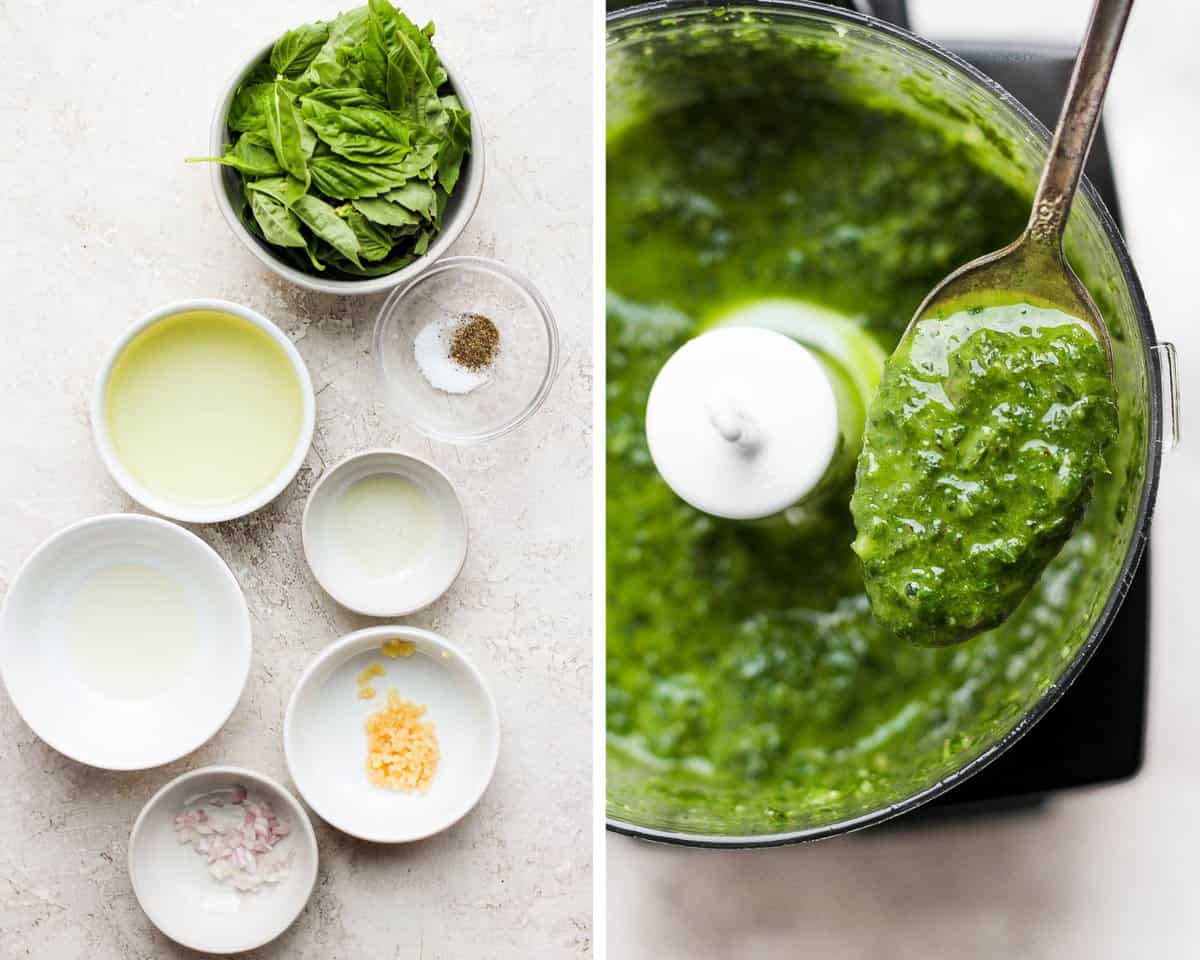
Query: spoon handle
(1078, 120)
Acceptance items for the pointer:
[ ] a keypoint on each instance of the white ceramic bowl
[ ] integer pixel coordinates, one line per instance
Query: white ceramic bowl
(409, 588)
(172, 883)
(187, 513)
(75, 695)
(326, 745)
(459, 210)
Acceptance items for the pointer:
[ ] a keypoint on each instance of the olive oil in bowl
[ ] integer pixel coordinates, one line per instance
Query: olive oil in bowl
(205, 411)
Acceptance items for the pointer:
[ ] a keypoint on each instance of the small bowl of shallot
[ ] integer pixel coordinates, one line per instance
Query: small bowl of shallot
(222, 859)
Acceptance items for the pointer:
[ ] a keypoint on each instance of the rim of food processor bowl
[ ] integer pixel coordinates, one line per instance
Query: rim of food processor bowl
(1153, 440)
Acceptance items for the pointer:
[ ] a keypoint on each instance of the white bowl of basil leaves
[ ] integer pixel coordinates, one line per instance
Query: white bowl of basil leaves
(348, 156)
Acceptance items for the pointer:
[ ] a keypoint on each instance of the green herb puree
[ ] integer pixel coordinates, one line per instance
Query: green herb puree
(977, 463)
(748, 684)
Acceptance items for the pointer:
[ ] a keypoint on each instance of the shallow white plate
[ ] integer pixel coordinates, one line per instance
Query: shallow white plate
(172, 883)
(64, 686)
(409, 588)
(325, 741)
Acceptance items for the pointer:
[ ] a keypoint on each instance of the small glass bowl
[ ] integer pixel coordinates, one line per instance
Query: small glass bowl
(520, 377)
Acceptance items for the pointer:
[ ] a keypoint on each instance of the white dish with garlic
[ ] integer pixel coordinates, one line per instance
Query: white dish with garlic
(392, 734)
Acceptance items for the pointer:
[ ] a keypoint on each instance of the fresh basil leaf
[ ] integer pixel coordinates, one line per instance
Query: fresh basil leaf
(296, 49)
(287, 190)
(332, 258)
(297, 87)
(421, 163)
(353, 62)
(247, 216)
(410, 93)
(343, 179)
(366, 60)
(363, 134)
(286, 129)
(248, 110)
(252, 155)
(383, 211)
(423, 238)
(393, 263)
(308, 139)
(424, 160)
(345, 97)
(309, 249)
(368, 64)
(394, 30)
(259, 73)
(413, 70)
(417, 197)
(323, 220)
(333, 75)
(279, 225)
(297, 256)
(347, 31)
(458, 142)
(374, 242)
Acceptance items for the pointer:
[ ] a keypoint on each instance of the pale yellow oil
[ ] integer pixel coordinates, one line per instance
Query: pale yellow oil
(385, 523)
(130, 631)
(203, 408)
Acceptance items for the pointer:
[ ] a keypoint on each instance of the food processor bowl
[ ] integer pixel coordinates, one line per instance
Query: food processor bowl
(660, 57)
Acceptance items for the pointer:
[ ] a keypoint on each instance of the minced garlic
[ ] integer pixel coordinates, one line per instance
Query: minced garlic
(398, 648)
(402, 749)
(365, 690)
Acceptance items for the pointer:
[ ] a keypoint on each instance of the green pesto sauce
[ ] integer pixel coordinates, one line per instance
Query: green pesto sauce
(747, 681)
(977, 464)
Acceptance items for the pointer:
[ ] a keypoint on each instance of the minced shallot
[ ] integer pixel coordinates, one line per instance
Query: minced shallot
(238, 834)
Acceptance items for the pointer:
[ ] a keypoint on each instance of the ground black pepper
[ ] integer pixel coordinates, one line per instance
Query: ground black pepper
(475, 342)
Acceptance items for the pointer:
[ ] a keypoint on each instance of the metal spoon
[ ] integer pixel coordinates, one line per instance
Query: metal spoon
(1034, 263)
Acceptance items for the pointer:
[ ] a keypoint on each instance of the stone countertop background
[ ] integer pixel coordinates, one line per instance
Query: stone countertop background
(1103, 873)
(102, 222)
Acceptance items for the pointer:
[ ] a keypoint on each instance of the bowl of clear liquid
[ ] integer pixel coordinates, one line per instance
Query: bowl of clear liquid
(124, 642)
(385, 533)
(203, 411)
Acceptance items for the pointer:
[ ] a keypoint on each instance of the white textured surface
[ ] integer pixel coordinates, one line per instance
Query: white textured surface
(1108, 873)
(103, 221)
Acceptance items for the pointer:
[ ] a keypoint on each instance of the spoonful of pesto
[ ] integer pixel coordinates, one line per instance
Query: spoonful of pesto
(993, 413)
